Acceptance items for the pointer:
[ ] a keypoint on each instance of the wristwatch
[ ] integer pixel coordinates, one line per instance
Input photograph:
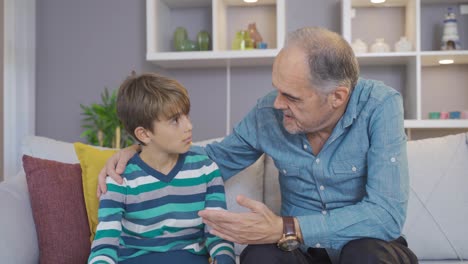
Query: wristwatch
(290, 240)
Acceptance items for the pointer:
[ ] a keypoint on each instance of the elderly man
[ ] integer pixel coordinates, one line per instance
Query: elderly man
(340, 147)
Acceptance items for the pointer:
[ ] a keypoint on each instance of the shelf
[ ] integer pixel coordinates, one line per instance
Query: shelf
(203, 59)
(387, 58)
(431, 58)
(448, 2)
(436, 124)
(222, 19)
(388, 3)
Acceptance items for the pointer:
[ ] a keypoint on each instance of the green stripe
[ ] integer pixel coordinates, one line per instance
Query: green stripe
(132, 168)
(212, 175)
(105, 251)
(167, 208)
(103, 212)
(107, 233)
(215, 197)
(116, 188)
(195, 158)
(227, 248)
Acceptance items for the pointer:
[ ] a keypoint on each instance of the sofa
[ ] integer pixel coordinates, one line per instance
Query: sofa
(436, 227)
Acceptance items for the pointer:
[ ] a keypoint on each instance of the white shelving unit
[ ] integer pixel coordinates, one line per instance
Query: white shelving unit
(222, 18)
(429, 86)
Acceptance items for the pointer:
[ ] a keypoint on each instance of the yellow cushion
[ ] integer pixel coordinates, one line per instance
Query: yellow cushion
(92, 160)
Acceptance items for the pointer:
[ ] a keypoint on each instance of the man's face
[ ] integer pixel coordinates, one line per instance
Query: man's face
(172, 135)
(304, 110)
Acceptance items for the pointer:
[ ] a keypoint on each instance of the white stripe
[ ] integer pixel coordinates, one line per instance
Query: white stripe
(213, 249)
(103, 258)
(141, 181)
(186, 223)
(187, 174)
(111, 181)
(195, 246)
(111, 225)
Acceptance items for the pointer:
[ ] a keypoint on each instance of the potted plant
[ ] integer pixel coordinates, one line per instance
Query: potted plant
(101, 124)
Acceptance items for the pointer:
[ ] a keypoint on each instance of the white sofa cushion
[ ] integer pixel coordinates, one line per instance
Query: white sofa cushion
(436, 227)
(47, 148)
(18, 240)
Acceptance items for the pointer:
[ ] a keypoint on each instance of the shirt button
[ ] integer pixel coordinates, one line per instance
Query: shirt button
(317, 161)
(317, 245)
(322, 187)
(393, 159)
(305, 146)
(324, 212)
(284, 171)
(354, 169)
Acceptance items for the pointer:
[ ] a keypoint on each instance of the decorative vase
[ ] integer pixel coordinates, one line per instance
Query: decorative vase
(359, 46)
(180, 35)
(380, 46)
(188, 45)
(203, 39)
(254, 34)
(403, 45)
(242, 41)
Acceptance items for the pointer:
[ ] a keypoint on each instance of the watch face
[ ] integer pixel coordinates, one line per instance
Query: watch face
(289, 243)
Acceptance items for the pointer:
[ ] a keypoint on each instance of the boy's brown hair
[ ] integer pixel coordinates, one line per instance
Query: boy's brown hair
(143, 99)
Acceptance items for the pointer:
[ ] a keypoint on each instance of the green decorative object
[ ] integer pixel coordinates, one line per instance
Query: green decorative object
(102, 126)
(203, 39)
(180, 36)
(242, 41)
(434, 115)
(188, 45)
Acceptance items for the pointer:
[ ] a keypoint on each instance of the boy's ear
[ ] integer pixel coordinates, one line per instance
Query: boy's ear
(142, 134)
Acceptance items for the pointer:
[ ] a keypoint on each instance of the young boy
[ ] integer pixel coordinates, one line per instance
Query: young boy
(152, 217)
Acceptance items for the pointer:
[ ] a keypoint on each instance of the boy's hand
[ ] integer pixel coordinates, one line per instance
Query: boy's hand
(115, 166)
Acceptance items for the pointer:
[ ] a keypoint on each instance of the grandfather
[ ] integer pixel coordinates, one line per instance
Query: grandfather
(340, 147)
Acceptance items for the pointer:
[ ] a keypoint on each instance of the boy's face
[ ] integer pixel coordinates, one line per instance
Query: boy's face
(173, 135)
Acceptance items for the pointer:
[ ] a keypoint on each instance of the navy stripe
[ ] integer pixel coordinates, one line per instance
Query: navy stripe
(163, 241)
(215, 189)
(111, 204)
(110, 218)
(160, 218)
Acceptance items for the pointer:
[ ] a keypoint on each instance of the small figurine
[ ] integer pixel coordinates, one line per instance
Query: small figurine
(254, 34)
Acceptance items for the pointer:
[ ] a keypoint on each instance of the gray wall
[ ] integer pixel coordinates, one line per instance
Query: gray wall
(2, 62)
(86, 45)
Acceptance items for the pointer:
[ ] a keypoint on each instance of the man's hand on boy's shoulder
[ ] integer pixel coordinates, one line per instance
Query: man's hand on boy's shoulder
(114, 167)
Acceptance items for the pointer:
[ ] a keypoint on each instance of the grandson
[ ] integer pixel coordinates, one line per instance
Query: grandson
(152, 217)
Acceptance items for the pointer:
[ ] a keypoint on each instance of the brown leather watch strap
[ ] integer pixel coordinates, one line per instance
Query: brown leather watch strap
(288, 226)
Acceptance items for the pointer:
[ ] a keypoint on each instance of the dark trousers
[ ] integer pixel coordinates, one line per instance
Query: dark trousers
(361, 251)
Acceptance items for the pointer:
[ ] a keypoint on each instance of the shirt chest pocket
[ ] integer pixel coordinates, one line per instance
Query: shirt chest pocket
(292, 178)
(351, 168)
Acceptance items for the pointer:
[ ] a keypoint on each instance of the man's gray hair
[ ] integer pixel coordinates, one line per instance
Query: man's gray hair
(330, 58)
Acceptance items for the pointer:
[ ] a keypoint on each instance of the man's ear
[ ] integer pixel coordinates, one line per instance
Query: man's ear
(142, 134)
(340, 96)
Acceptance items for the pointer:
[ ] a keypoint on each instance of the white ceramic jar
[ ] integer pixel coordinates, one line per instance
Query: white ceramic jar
(380, 46)
(403, 45)
(359, 46)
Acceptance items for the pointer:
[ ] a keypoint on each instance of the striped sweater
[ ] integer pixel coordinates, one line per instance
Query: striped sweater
(152, 212)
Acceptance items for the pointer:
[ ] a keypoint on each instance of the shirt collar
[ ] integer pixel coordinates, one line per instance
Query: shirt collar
(351, 109)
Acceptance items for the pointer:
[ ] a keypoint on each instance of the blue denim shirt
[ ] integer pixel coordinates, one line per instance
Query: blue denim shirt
(357, 186)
